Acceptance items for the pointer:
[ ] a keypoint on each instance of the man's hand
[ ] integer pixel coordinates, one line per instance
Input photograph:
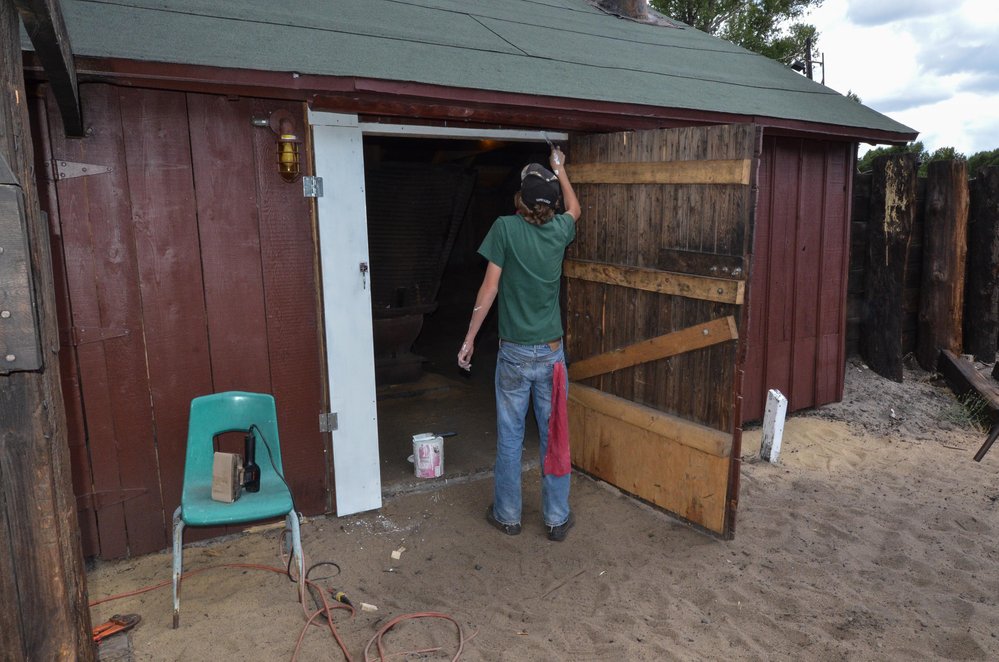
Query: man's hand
(483, 302)
(465, 356)
(556, 159)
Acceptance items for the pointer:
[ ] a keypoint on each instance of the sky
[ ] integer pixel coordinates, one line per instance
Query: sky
(932, 65)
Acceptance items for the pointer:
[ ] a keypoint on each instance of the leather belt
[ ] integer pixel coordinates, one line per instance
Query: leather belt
(552, 345)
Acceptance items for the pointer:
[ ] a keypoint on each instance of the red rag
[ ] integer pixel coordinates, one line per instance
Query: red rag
(557, 462)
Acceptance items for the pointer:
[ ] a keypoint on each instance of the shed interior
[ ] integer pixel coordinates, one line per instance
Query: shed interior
(430, 202)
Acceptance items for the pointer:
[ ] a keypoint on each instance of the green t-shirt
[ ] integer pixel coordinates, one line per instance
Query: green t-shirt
(531, 258)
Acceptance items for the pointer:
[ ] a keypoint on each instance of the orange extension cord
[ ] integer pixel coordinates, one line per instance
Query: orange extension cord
(326, 611)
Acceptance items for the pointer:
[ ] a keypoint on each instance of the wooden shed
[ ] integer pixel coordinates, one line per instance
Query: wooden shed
(711, 263)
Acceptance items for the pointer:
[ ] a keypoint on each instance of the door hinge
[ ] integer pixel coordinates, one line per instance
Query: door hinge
(328, 422)
(69, 169)
(312, 187)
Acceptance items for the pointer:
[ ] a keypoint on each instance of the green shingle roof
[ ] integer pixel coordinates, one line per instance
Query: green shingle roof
(561, 48)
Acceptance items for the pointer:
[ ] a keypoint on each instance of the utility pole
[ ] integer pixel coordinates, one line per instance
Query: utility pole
(808, 58)
(42, 581)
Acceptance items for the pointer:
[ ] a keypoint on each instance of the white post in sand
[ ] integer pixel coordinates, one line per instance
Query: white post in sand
(773, 426)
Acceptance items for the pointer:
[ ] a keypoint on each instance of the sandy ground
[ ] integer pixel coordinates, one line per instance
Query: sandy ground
(875, 538)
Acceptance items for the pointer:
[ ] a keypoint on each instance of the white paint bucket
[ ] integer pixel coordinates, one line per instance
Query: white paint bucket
(428, 455)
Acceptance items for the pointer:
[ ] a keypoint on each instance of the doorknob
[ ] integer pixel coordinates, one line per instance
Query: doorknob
(363, 267)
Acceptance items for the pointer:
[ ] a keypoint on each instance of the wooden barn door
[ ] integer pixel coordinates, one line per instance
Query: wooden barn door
(184, 266)
(655, 301)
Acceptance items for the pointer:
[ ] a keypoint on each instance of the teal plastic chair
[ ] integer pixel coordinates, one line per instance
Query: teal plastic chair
(212, 415)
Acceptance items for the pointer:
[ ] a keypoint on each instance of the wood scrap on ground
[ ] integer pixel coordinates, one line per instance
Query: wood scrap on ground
(964, 379)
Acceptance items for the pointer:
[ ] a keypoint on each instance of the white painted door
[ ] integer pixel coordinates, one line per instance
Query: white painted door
(343, 245)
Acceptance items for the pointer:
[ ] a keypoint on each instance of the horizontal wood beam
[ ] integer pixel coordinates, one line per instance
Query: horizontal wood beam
(720, 290)
(678, 478)
(963, 378)
(699, 262)
(727, 171)
(45, 27)
(670, 344)
(672, 428)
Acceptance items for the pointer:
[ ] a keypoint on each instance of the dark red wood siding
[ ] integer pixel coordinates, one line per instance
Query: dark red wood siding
(68, 366)
(798, 282)
(189, 269)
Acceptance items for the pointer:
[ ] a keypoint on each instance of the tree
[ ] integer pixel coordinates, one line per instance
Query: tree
(976, 161)
(979, 160)
(946, 154)
(922, 156)
(767, 27)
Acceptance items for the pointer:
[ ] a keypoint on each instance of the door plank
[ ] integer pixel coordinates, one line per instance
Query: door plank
(721, 290)
(670, 344)
(808, 275)
(779, 305)
(162, 189)
(672, 428)
(831, 355)
(120, 305)
(228, 224)
(726, 171)
(662, 470)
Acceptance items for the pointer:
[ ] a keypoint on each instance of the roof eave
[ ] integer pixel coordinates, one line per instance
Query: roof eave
(401, 99)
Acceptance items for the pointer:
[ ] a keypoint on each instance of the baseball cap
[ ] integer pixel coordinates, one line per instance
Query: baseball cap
(538, 185)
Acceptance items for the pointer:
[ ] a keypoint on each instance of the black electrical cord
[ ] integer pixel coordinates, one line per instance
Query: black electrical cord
(310, 584)
(321, 563)
(294, 508)
(270, 456)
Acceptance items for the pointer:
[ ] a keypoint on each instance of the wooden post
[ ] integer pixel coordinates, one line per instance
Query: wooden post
(893, 208)
(773, 426)
(941, 294)
(43, 586)
(981, 303)
(44, 25)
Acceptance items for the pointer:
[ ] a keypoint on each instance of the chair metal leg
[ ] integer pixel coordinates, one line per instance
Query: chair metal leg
(178, 563)
(292, 522)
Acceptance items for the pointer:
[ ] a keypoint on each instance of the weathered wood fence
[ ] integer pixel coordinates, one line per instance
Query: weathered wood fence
(924, 264)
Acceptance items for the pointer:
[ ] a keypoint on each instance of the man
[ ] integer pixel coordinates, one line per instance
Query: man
(525, 253)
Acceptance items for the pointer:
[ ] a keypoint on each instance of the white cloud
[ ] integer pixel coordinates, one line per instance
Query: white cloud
(932, 65)
(865, 12)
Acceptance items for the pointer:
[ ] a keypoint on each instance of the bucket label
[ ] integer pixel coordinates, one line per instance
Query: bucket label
(428, 455)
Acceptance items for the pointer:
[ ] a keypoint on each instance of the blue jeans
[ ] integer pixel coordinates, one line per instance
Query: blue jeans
(523, 370)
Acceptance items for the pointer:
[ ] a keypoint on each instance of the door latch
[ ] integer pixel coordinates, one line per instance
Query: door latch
(364, 274)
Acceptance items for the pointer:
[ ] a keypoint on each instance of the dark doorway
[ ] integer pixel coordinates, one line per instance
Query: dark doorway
(439, 397)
